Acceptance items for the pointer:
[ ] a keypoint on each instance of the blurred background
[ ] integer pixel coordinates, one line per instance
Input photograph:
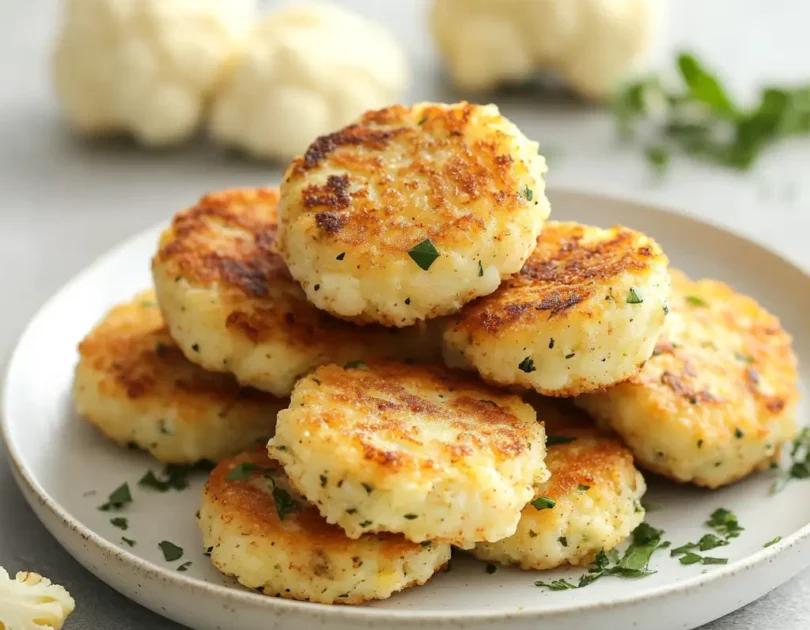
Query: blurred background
(65, 199)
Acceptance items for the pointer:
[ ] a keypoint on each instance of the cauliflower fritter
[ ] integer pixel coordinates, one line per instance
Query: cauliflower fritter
(232, 306)
(583, 313)
(412, 211)
(596, 494)
(257, 529)
(719, 394)
(32, 602)
(306, 71)
(416, 450)
(134, 384)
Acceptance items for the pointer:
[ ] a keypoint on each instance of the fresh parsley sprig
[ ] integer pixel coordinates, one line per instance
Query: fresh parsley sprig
(697, 117)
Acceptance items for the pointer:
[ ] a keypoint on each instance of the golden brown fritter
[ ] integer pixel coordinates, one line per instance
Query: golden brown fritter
(259, 530)
(583, 313)
(718, 396)
(419, 450)
(232, 306)
(134, 384)
(358, 201)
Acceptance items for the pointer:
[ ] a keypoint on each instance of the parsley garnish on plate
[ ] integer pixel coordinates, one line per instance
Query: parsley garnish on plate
(119, 497)
(424, 254)
(120, 523)
(799, 466)
(171, 552)
(726, 527)
(772, 542)
(173, 477)
(698, 118)
(633, 564)
(184, 566)
(128, 541)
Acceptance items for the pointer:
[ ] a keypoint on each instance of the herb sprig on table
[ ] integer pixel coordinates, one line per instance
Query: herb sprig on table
(698, 117)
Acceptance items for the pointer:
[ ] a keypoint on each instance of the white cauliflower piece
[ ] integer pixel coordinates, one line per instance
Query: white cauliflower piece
(31, 602)
(590, 44)
(146, 67)
(308, 70)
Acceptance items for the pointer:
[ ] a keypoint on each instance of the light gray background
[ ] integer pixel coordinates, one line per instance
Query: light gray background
(64, 202)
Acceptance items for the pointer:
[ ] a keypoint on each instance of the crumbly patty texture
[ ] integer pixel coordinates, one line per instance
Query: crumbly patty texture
(596, 491)
(412, 211)
(416, 450)
(584, 313)
(259, 530)
(232, 306)
(134, 384)
(719, 395)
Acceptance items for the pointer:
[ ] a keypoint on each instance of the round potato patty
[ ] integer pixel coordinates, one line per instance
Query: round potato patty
(584, 313)
(416, 450)
(591, 503)
(257, 529)
(411, 212)
(135, 385)
(719, 394)
(232, 306)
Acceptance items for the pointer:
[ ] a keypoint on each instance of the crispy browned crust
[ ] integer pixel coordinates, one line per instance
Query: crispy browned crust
(250, 505)
(228, 239)
(558, 277)
(430, 168)
(382, 394)
(141, 362)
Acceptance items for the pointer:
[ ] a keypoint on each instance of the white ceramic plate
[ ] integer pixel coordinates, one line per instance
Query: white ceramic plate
(59, 459)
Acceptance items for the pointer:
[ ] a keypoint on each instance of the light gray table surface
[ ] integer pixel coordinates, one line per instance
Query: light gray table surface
(63, 202)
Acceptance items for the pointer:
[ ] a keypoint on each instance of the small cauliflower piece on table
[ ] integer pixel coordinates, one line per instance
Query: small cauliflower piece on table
(147, 68)
(32, 602)
(717, 398)
(590, 44)
(306, 70)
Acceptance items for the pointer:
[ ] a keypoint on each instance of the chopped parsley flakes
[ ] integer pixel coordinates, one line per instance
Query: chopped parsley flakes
(120, 523)
(480, 269)
(799, 467)
(772, 542)
(528, 193)
(285, 505)
(694, 300)
(173, 477)
(128, 541)
(633, 564)
(241, 472)
(171, 552)
(634, 297)
(184, 566)
(527, 365)
(119, 497)
(543, 503)
(424, 254)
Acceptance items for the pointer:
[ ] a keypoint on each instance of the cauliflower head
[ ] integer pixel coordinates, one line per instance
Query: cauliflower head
(590, 44)
(306, 71)
(145, 67)
(31, 602)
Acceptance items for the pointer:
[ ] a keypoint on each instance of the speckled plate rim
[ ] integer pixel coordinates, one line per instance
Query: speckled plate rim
(39, 500)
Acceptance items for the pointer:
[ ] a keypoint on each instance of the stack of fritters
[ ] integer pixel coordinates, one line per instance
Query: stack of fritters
(419, 235)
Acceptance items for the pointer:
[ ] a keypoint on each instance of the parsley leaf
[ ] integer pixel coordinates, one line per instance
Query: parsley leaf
(543, 503)
(527, 365)
(119, 497)
(724, 523)
(799, 467)
(173, 477)
(694, 300)
(634, 297)
(241, 472)
(128, 541)
(772, 542)
(120, 523)
(171, 552)
(285, 505)
(424, 254)
(184, 566)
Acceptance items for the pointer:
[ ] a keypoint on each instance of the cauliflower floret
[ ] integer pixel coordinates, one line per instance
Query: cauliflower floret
(31, 602)
(590, 44)
(146, 67)
(307, 71)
